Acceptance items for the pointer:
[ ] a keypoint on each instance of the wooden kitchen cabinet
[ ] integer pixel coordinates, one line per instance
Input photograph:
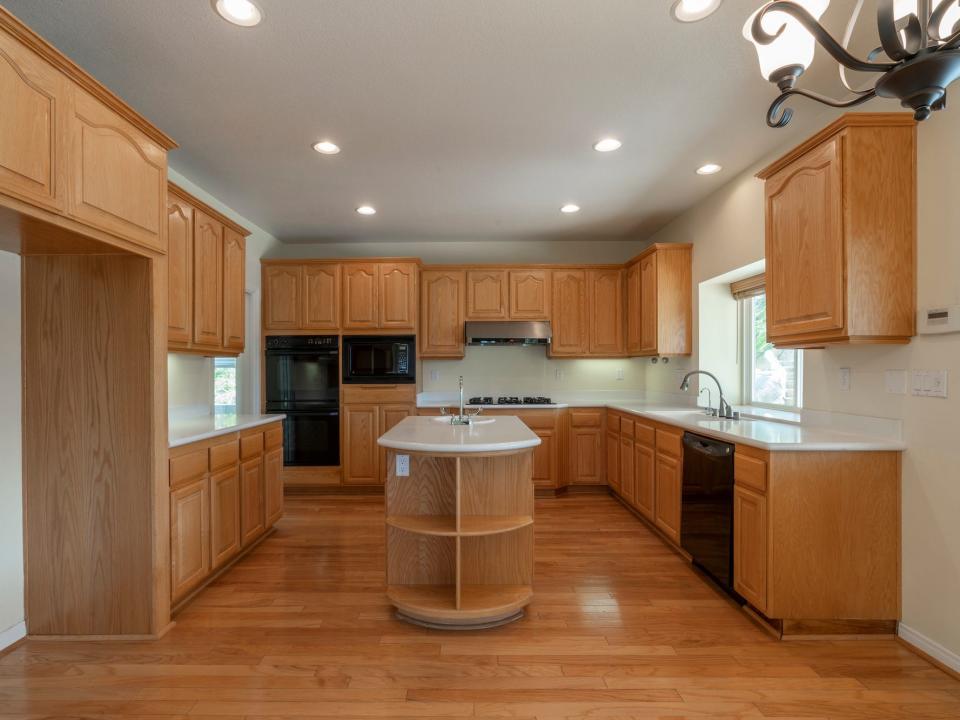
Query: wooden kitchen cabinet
(613, 454)
(389, 416)
(225, 515)
(234, 283)
(667, 496)
(570, 314)
(207, 282)
(252, 516)
(660, 301)
(487, 295)
(361, 455)
(273, 485)
(442, 313)
(397, 293)
(321, 298)
(189, 536)
(360, 296)
(628, 481)
(840, 213)
(750, 546)
(605, 302)
(644, 470)
(586, 446)
(180, 272)
(281, 297)
(529, 294)
(634, 305)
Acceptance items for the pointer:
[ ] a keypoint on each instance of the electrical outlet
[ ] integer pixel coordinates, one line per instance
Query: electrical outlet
(558, 374)
(403, 465)
(620, 373)
(845, 379)
(896, 382)
(434, 375)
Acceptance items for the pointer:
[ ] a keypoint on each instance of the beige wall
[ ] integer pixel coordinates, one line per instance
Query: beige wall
(727, 231)
(11, 501)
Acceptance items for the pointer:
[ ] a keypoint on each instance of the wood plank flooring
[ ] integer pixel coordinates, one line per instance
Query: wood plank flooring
(620, 628)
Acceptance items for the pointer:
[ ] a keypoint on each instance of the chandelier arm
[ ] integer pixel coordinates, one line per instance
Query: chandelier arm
(778, 116)
(939, 12)
(900, 41)
(847, 34)
(801, 15)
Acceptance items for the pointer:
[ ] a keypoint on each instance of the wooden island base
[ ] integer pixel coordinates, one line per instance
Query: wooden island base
(460, 538)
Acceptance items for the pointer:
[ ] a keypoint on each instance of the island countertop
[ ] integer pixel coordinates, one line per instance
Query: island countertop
(431, 435)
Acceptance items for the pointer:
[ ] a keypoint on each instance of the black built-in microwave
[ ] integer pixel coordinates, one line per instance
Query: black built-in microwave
(379, 359)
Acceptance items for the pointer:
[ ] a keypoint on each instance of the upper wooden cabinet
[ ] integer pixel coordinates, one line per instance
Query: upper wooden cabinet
(605, 303)
(660, 301)
(281, 297)
(321, 298)
(529, 294)
(206, 278)
(487, 295)
(442, 310)
(841, 235)
(361, 289)
(570, 310)
(397, 294)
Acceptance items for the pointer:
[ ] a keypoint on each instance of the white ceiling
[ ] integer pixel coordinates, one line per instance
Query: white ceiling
(458, 119)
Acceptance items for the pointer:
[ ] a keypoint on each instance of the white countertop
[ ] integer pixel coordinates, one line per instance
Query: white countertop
(183, 431)
(428, 435)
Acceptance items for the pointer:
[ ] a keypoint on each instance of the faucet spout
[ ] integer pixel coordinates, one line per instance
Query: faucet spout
(724, 411)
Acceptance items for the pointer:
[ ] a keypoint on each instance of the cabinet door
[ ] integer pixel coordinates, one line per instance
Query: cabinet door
(189, 537)
(487, 295)
(634, 310)
(398, 295)
(804, 245)
(33, 106)
(390, 415)
(234, 285)
(613, 460)
(321, 297)
(441, 324)
(605, 294)
(225, 515)
(628, 483)
(281, 297)
(207, 281)
(360, 296)
(118, 175)
(273, 485)
(750, 546)
(360, 452)
(569, 323)
(529, 295)
(251, 500)
(179, 271)
(648, 305)
(644, 470)
(668, 495)
(545, 459)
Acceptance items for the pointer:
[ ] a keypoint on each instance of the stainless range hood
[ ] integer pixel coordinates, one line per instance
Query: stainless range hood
(508, 332)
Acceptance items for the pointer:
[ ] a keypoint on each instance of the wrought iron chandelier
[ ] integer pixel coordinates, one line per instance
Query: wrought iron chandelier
(918, 56)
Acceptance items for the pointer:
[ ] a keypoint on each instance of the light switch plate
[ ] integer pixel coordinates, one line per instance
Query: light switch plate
(619, 373)
(403, 465)
(929, 383)
(434, 375)
(844, 379)
(896, 382)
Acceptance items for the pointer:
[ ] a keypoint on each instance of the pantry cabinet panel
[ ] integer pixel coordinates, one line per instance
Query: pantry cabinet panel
(189, 537)
(251, 500)
(569, 323)
(360, 296)
(321, 297)
(529, 294)
(281, 297)
(33, 96)
(487, 293)
(360, 451)
(225, 515)
(234, 286)
(118, 175)
(441, 325)
(398, 295)
(207, 281)
(179, 271)
(667, 496)
(750, 546)
(605, 299)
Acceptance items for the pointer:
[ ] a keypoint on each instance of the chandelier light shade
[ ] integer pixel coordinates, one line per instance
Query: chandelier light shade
(918, 55)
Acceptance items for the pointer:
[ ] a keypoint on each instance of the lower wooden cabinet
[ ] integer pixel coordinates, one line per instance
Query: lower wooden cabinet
(750, 546)
(545, 471)
(361, 457)
(190, 536)
(224, 515)
(390, 415)
(667, 496)
(628, 482)
(613, 460)
(251, 500)
(273, 485)
(586, 446)
(644, 472)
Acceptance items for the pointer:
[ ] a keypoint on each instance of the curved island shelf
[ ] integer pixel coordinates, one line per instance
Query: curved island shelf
(460, 521)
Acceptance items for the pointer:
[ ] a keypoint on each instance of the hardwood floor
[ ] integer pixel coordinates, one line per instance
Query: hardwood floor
(620, 628)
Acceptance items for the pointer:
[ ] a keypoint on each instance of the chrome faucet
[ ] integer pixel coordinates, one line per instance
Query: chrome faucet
(724, 411)
(461, 418)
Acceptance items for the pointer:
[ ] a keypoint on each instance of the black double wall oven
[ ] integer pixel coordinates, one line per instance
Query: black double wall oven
(301, 379)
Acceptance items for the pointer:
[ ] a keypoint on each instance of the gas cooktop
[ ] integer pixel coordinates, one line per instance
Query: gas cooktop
(511, 400)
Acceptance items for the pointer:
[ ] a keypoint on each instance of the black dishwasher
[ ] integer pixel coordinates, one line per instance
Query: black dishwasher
(707, 509)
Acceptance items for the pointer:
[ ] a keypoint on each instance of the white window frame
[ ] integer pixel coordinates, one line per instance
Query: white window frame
(745, 313)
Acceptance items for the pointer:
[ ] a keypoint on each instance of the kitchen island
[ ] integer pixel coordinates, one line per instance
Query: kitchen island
(459, 516)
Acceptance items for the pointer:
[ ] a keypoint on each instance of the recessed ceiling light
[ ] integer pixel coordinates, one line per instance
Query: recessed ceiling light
(570, 208)
(325, 147)
(709, 169)
(240, 12)
(607, 145)
(367, 210)
(692, 10)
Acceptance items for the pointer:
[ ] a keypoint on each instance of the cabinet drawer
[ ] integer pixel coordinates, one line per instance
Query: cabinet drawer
(225, 454)
(750, 471)
(626, 428)
(669, 443)
(251, 446)
(586, 418)
(188, 466)
(379, 394)
(644, 434)
(538, 419)
(273, 437)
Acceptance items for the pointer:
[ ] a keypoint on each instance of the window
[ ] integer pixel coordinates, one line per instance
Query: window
(225, 386)
(771, 376)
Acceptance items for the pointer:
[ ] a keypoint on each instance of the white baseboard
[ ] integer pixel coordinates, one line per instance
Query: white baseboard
(930, 647)
(9, 636)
